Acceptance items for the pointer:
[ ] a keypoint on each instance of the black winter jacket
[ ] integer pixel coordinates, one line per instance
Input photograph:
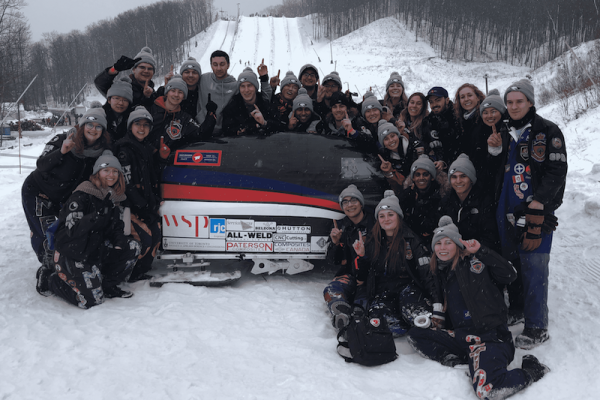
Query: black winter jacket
(343, 253)
(116, 125)
(190, 104)
(422, 210)
(104, 81)
(446, 130)
(237, 117)
(367, 139)
(486, 166)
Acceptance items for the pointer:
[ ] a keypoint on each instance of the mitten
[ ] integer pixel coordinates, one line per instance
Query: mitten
(211, 106)
(550, 223)
(163, 149)
(533, 237)
(124, 63)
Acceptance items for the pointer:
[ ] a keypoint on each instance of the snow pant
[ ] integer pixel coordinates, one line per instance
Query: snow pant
(488, 354)
(40, 214)
(81, 283)
(344, 288)
(399, 308)
(149, 236)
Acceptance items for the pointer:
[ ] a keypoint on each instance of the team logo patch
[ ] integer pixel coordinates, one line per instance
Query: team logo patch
(62, 276)
(507, 168)
(409, 253)
(524, 186)
(174, 129)
(539, 148)
(434, 134)
(557, 143)
(524, 152)
(73, 206)
(519, 169)
(518, 178)
(303, 105)
(90, 118)
(375, 322)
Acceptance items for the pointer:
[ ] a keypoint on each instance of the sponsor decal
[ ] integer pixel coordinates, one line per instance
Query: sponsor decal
(293, 229)
(265, 226)
(240, 225)
(519, 169)
(250, 236)
(290, 237)
(254, 247)
(557, 143)
(186, 226)
(476, 265)
(524, 152)
(318, 244)
(539, 148)
(208, 158)
(218, 228)
(375, 322)
(290, 247)
(193, 244)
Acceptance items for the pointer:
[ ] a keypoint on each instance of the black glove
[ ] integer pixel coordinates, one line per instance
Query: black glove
(533, 237)
(124, 63)
(107, 206)
(550, 223)
(211, 106)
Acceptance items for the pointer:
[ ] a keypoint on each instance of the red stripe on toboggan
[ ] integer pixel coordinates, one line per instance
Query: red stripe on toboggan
(182, 192)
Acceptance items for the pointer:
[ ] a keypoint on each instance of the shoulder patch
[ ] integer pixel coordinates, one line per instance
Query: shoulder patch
(557, 143)
(476, 265)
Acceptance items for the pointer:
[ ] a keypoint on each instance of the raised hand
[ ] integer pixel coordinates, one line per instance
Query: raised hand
(275, 81)
(148, 90)
(336, 234)
(257, 115)
(320, 92)
(169, 75)
(293, 122)
(124, 63)
(211, 106)
(163, 149)
(68, 143)
(262, 68)
(471, 246)
(359, 245)
(386, 166)
(346, 123)
(495, 140)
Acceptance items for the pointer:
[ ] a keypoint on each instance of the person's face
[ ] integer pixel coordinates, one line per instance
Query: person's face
(309, 78)
(351, 206)
(248, 92)
(330, 88)
(92, 131)
(219, 67)
(415, 105)
(143, 72)
(303, 114)
(388, 220)
(445, 249)
(517, 105)
(141, 129)
(468, 99)
(460, 183)
(491, 116)
(289, 91)
(438, 104)
(395, 90)
(338, 111)
(108, 176)
(422, 179)
(175, 96)
(118, 104)
(191, 77)
(391, 141)
(373, 115)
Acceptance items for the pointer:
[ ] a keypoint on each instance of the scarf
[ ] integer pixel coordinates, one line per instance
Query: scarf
(100, 193)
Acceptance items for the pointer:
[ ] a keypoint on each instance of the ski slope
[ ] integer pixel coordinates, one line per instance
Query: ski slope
(269, 337)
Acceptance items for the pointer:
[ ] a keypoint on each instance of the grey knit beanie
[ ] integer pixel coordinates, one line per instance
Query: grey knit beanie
(369, 102)
(389, 202)
(524, 86)
(463, 164)
(493, 100)
(394, 78)
(423, 162)
(446, 228)
(176, 82)
(94, 114)
(333, 76)
(146, 57)
(302, 100)
(190, 63)
(122, 88)
(351, 191)
(308, 66)
(290, 78)
(248, 75)
(385, 128)
(106, 160)
(140, 112)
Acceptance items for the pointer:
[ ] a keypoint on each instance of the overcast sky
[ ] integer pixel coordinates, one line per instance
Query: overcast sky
(66, 15)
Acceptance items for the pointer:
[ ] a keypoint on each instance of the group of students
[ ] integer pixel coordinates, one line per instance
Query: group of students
(491, 164)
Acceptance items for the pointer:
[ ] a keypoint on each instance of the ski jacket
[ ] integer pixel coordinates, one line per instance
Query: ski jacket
(116, 125)
(447, 135)
(422, 210)
(486, 166)
(367, 139)
(104, 81)
(343, 253)
(282, 110)
(313, 125)
(404, 162)
(57, 174)
(476, 275)
(236, 116)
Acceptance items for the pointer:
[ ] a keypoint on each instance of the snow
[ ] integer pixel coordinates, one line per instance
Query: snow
(269, 337)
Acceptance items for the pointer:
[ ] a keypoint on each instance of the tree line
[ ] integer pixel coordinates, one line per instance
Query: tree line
(527, 32)
(64, 63)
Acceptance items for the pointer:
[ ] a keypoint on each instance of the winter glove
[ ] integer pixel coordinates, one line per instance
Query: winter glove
(550, 223)
(163, 149)
(438, 319)
(124, 63)
(211, 106)
(533, 237)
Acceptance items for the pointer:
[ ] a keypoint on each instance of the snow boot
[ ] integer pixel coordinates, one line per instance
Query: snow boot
(41, 277)
(515, 317)
(116, 291)
(533, 367)
(341, 314)
(531, 337)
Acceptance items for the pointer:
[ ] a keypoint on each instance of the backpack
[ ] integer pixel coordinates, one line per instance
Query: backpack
(366, 341)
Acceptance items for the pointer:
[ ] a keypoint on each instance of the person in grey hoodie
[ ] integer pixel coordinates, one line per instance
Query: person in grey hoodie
(222, 86)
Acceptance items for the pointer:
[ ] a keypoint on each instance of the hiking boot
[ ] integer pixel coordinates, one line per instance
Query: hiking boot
(534, 367)
(341, 314)
(515, 317)
(41, 277)
(116, 291)
(531, 337)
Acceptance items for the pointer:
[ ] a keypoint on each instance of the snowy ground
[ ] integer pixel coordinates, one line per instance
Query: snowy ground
(269, 337)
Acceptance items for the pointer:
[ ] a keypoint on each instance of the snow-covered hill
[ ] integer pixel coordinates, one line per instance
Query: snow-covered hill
(269, 337)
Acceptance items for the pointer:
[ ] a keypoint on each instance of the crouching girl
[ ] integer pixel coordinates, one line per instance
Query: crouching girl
(93, 254)
(475, 310)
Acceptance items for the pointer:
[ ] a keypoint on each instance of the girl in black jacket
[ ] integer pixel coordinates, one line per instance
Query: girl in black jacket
(394, 265)
(66, 161)
(94, 252)
(475, 311)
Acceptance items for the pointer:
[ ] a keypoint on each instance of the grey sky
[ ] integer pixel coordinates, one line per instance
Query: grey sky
(66, 15)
